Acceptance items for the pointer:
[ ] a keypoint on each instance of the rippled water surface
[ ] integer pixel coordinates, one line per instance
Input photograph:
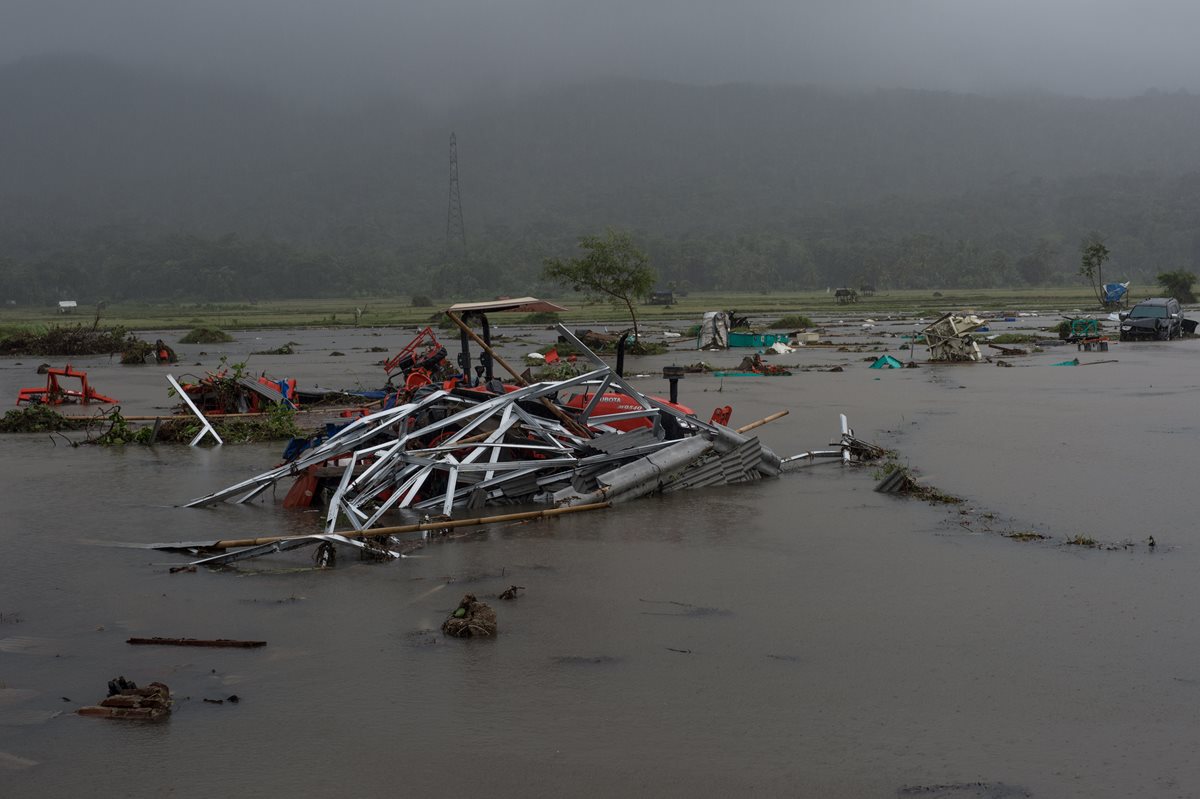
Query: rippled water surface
(804, 636)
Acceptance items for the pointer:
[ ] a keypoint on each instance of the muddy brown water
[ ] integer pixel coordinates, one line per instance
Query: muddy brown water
(804, 636)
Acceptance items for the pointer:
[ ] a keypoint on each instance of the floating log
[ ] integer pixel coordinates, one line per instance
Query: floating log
(213, 642)
(187, 417)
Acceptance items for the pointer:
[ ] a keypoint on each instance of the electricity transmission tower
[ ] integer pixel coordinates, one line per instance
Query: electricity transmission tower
(456, 234)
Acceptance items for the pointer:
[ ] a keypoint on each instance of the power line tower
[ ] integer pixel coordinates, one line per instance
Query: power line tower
(456, 233)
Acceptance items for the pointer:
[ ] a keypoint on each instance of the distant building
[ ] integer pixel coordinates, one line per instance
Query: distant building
(662, 298)
(67, 306)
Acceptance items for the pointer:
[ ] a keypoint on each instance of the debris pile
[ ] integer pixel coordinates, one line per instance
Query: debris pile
(222, 392)
(471, 619)
(756, 365)
(126, 701)
(590, 438)
(949, 339)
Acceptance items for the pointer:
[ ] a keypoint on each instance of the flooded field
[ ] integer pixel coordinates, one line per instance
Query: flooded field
(804, 636)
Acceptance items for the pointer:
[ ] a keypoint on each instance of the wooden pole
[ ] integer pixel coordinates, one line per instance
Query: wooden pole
(571, 424)
(486, 347)
(189, 417)
(403, 528)
(747, 427)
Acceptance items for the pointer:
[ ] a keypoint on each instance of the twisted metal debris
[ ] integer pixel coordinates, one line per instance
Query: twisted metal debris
(447, 449)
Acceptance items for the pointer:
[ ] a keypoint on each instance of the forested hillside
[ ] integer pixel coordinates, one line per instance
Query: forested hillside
(122, 184)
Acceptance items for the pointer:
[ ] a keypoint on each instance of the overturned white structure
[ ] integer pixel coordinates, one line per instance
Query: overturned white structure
(448, 449)
(714, 331)
(948, 338)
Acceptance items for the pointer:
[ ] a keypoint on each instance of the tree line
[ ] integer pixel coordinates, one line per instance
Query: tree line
(979, 241)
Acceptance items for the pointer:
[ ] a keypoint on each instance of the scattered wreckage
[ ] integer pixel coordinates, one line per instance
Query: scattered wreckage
(949, 338)
(589, 438)
(575, 444)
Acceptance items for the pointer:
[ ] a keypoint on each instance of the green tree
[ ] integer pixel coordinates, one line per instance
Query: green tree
(611, 268)
(1092, 255)
(1178, 285)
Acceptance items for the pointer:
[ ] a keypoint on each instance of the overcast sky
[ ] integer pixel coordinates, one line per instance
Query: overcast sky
(439, 47)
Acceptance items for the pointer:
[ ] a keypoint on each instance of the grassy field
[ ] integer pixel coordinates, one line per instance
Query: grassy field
(398, 311)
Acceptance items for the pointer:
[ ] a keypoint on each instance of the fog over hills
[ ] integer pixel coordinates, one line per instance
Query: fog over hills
(780, 183)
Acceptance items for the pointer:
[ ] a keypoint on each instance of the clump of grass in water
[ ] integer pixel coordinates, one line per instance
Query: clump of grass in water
(1081, 540)
(790, 322)
(206, 335)
(1024, 535)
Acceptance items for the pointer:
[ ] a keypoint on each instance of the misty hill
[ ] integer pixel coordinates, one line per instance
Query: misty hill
(723, 184)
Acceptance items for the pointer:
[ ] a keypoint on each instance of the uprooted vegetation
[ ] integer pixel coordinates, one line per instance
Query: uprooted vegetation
(38, 418)
(206, 335)
(112, 429)
(1024, 535)
(791, 322)
(69, 340)
(277, 424)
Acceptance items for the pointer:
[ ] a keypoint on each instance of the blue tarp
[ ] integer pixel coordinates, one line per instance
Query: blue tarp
(1115, 292)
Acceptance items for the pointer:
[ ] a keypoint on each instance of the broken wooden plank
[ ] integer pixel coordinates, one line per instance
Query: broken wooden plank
(211, 642)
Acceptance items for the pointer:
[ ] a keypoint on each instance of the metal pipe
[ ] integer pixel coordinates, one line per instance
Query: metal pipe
(621, 354)
(484, 357)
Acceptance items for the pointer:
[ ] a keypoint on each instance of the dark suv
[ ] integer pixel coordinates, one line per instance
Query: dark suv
(1157, 317)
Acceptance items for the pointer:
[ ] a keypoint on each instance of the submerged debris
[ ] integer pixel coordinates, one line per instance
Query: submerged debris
(899, 479)
(208, 642)
(965, 790)
(126, 701)
(511, 592)
(470, 619)
(283, 349)
(948, 338)
(1024, 535)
